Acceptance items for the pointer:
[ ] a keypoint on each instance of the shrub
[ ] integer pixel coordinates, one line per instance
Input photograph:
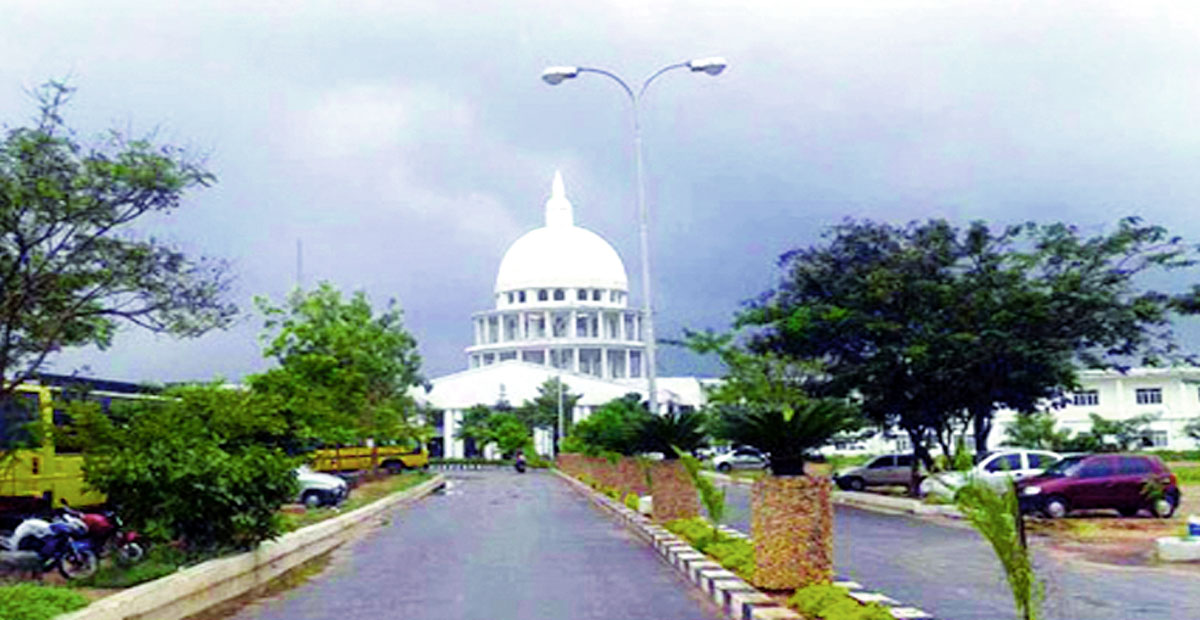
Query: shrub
(631, 501)
(734, 554)
(191, 466)
(829, 602)
(27, 601)
(712, 497)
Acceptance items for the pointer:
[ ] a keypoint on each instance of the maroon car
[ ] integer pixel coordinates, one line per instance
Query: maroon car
(1124, 482)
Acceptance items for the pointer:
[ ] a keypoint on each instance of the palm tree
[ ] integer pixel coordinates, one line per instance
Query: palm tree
(785, 431)
(663, 433)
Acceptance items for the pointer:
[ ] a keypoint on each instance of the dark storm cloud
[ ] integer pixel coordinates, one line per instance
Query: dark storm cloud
(407, 144)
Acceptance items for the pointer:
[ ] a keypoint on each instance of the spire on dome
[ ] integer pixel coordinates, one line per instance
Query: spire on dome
(558, 209)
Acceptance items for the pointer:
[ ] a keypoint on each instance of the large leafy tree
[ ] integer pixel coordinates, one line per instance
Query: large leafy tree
(72, 267)
(344, 371)
(925, 324)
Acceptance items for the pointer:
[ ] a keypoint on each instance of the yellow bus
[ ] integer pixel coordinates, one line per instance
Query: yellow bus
(361, 458)
(41, 475)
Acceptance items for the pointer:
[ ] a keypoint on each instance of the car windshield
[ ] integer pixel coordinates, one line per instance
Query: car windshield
(1064, 467)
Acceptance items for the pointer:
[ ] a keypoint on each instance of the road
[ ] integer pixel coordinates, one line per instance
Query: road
(494, 545)
(951, 572)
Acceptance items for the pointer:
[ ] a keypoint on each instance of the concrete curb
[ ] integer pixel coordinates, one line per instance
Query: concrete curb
(737, 599)
(200, 587)
(868, 501)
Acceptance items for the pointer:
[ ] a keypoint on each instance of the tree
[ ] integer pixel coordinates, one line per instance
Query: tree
(344, 371)
(670, 433)
(763, 403)
(543, 411)
(1112, 435)
(71, 268)
(485, 425)
(925, 324)
(614, 427)
(1036, 430)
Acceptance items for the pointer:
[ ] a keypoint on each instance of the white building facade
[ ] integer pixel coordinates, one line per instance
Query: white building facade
(1170, 395)
(560, 310)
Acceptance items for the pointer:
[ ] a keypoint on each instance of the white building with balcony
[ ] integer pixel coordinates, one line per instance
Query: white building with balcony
(560, 309)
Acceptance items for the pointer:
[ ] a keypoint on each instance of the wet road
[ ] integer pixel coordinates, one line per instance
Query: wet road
(951, 572)
(494, 546)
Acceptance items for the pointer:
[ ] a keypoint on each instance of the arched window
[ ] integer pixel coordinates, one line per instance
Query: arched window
(559, 295)
(543, 295)
(581, 294)
(596, 295)
(521, 296)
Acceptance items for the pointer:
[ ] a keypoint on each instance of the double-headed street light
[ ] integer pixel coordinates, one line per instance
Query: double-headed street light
(711, 66)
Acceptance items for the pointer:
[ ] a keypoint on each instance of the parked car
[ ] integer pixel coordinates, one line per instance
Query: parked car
(995, 468)
(740, 458)
(884, 470)
(318, 489)
(1124, 482)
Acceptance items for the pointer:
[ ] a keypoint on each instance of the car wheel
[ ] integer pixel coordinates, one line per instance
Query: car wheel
(1127, 511)
(78, 564)
(1056, 507)
(394, 467)
(310, 499)
(855, 484)
(1163, 508)
(724, 468)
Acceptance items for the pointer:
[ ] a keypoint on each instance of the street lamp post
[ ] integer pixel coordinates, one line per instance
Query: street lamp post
(710, 66)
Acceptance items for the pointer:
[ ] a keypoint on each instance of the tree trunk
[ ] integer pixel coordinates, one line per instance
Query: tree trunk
(982, 421)
(792, 525)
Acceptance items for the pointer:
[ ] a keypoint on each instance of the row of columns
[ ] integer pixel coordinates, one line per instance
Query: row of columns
(606, 371)
(624, 330)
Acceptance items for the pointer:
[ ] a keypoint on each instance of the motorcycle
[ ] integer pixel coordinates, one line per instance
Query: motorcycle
(107, 535)
(40, 545)
(519, 463)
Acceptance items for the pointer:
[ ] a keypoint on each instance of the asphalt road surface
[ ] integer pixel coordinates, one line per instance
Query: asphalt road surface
(951, 572)
(496, 545)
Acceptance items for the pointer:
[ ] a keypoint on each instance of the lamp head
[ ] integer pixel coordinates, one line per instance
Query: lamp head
(711, 65)
(555, 75)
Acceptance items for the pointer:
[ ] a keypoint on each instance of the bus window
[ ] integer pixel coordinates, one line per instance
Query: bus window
(16, 418)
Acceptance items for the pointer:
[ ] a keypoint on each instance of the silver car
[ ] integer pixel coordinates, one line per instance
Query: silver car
(884, 470)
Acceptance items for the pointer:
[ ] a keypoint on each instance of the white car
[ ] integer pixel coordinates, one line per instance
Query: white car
(996, 468)
(318, 489)
(740, 458)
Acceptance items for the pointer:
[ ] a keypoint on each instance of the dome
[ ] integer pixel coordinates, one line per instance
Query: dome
(560, 254)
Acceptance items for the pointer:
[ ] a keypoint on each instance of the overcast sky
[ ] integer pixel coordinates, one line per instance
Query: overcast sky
(407, 144)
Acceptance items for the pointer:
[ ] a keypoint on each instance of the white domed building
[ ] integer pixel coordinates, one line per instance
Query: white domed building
(561, 309)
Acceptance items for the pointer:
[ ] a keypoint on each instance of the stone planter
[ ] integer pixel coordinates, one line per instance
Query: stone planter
(674, 495)
(792, 521)
(632, 478)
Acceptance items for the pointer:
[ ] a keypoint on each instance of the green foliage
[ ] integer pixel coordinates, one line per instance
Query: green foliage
(734, 554)
(763, 403)
(631, 501)
(1036, 431)
(543, 411)
(1187, 475)
(712, 497)
(27, 601)
(665, 432)
(923, 322)
(344, 371)
(73, 264)
(829, 602)
(160, 561)
(203, 464)
(614, 427)
(997, 517)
